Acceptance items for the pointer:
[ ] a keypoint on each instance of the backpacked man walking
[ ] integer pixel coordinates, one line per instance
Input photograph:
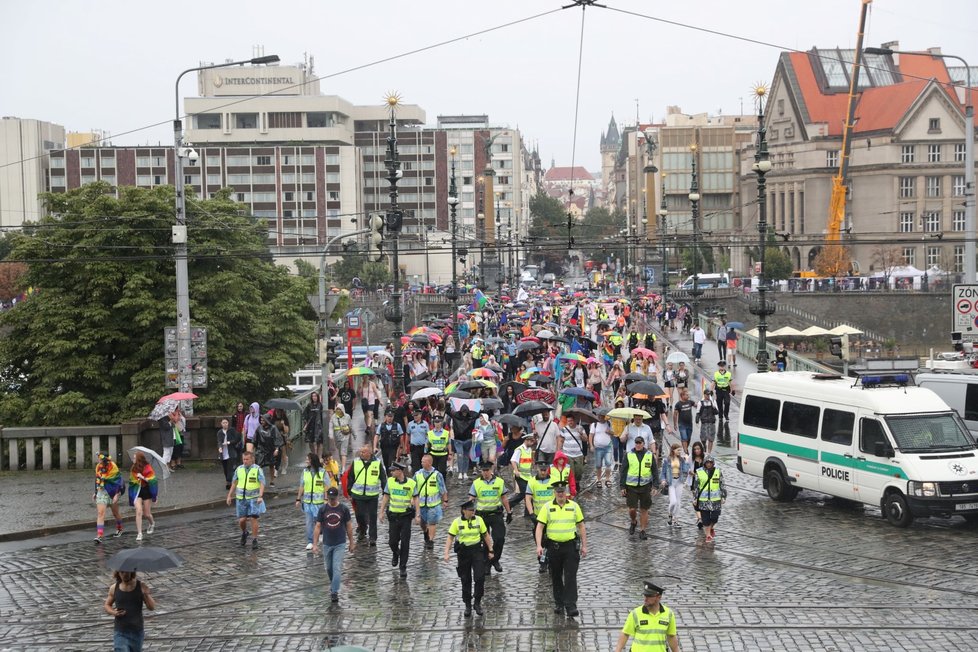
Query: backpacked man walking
(469, 534)
(400, 503)
(561, 522)
(636, 481)
(652, 626)
(489, 492)
(366, 477)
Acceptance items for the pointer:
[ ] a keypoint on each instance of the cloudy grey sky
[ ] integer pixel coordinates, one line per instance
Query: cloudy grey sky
(111, 64)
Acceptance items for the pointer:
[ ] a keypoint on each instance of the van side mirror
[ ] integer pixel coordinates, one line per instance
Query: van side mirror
(882, 449)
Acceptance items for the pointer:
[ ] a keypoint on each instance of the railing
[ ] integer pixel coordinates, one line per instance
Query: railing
(62, 448)
(812, 318)
(708, 294)
(748, 346)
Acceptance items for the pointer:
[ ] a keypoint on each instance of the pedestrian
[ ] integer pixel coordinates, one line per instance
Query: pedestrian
(248, 490)
(143, 490)
(252, 421)
(281, 422)
(108, 488)
(400, 504)
(561, 523)
(335, 525)
(706, 416)
(228, 450)
(268, 443)
(540, 493)
(601, 449)
(462, 423)
(721, 335)
(723, 386)
(652, 626)
(572, 441)
(125, 601)
(179, 434)
(699, 338)
(547, 433)
(562, 472)
(439, 444)
(314, 429)
(710, 495)
(370, 403)
(166, 440)
(732, 346)
(366, 478)
(682, 413)
(781, 357)
(675, 476)
(488, 438)
(522, 462)
(635, 481)
(389, 440)
(432, 495)
(637, 428)
(489, 492)
(696, 460)
(417, 430)
(341, 432)
(238, 418)
(312, 493)
(468, 535)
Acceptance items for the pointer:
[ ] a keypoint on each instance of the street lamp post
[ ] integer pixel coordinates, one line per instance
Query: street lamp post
(394, 221)
(179, 238)
(694, 200)
(762, 165)
(663, 214)
(970, 226)
(453, 292)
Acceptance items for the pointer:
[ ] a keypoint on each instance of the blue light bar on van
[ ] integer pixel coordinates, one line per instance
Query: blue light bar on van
(889, 379)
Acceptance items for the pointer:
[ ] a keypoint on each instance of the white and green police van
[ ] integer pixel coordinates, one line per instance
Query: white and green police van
(878, 440)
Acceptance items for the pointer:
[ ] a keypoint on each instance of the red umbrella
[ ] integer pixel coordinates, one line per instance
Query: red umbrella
(530, 338)
(178, 396)
(536, 394)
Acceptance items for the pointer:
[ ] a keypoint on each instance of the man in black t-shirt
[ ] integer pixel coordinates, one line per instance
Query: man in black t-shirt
(781, 357)
(683, 418)
(335, 525)
(388, 439)
(462, 422)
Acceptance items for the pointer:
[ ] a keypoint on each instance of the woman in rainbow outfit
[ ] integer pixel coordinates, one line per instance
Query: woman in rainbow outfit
(108, 488)
(143, 490)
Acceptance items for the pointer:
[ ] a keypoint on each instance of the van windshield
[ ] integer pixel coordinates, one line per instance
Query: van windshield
(927, 433)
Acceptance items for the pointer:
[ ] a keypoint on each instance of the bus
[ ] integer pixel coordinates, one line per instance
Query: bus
(706, 281)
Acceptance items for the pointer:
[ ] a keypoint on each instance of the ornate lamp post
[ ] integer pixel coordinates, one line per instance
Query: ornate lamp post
(762, 165)
(393, 222)
(694, 200)
(663, 213)
(453, 206)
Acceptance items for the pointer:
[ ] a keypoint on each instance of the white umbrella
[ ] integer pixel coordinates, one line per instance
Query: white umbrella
(787, 331)
(678, 356)
(845, 329)
(163, 408)
(159, 466)
(545, 334)
(384, 353)
(814, 331)
(425, 392)
(753, 332)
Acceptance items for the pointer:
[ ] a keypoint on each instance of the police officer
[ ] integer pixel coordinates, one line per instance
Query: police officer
(490, 496)
(469, 534)
(561, 524)
(367, 478)
(710, 495)
(439, 442)
(400, 503)
(724, 389)
(432, 499)
(636, 481)
(653, 625)
(539, 493)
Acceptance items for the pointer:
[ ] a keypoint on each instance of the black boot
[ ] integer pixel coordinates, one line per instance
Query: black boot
(478, 608)
(468, 610)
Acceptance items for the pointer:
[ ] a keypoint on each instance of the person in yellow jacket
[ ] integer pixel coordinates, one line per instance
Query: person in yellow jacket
(400, 504)
(652, 626)
(312, 493)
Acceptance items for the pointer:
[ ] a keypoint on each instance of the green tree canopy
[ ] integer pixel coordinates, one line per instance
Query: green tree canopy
(599, 232)
(548, 232)
(87, 347)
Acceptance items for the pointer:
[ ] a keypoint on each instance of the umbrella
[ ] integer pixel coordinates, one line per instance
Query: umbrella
(162, 409)
(492, 404)
(178, 396)
(425, 392)
(476, 384)
(677, 356)
(628, 413)
(421, 384)
(361, 371)
(530, 338)
(385, 353)
(736, 325)
(582, 416)
(159, 466)
(787, 331)
(562, 340)
(602, 411)
(634, 375)
(527, 346)
(578, 392)
(510, 420)
(641, 350)
(483, 372)
(517, 387)
(282, 404)
(148, 559)
(530, 408)
(493, 367)
(541, 378)
(572, 357)
(545, 334)
(536, 394)
(845, 329)
(645, 387)
(474, 404)
(495, 339)
(814, 331)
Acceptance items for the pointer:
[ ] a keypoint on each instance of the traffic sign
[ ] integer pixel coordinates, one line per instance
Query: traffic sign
(353, 321)
(354, 334)
(964, 311)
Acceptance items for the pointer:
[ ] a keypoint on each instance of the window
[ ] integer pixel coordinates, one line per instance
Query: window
(332, 159)
(909, 255)
(957, 221)
(87, 178)
(906, 223)
(503, 181)
(285, 120)
(933, 153)
(959, 152)
(837, 426)
(870, 434)
(213, 179)
(333, 195)
(191, 179)
(931, 221)
(332, 177)
(88, 161)
(142, 161)
(932, 256)
(108, 159)
(959, 266)
(144, 180)
(60, 162)
(159, 161)
(429, 181)
(780, 107)
(466, 181)
(263, 160)
(214, 161)
(158, 180)
(932, 186)
(934, 126)
(800, 419)
(57, 181)
(245, 120)
(109, 179)
(832, 158)
(239, 161)
(318, 119)
(957, 186)
(761, 412)
(908, 153)
(208, 120)
(289, 196)
(307, 159)
(907, 187)
(310, 195)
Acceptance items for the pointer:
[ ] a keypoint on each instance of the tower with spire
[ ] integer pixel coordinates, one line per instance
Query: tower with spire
(610, 144)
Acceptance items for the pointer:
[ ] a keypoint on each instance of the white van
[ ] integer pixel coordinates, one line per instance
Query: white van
(958, 390)
(877, 440)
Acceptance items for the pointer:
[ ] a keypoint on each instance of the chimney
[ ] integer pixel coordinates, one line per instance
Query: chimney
(934, 51)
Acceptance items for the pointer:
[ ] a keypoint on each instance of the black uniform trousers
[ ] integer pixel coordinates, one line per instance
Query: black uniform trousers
(723, 402)
(564, 560)
(366, 510)
(496, 524)
(399, 535)
(417, 452)
(388, 454)
(440, 462)
(472, 570)
(521, 484)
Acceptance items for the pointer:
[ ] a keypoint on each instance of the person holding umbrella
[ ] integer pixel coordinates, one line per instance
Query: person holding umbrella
(268, 443)
(108, 488)
(125, 601)
(143, 490)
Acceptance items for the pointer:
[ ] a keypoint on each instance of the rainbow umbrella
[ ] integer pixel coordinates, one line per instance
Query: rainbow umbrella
(361, 371)
(484, 372)
(573, 357)
(488, 384)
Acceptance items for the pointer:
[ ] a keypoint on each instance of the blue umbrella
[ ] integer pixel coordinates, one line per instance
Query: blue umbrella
(736, 325)
(578, 392)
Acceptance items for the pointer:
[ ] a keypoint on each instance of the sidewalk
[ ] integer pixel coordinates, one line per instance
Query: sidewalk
(679, 341)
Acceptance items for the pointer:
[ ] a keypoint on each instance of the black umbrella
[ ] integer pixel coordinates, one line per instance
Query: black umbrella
(629, 377)
(420, 338)
(527, 346)
(578, 392)
(495, 367)
(558, 338)
(517, 387)
(460, 393)
(645, 387)
(603, 411)
(471, 384)
(492, 404)
(530, 408)
(144, 560)
(421, 384)
(541, 378)
(282, 404)
(582, 416)
(510, 420)
(495, 339)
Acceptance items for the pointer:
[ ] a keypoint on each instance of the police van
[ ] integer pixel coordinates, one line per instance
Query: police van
(878, 440)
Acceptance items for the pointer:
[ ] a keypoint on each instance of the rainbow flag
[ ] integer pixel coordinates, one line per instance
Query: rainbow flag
(108, 477)
(135, 484)
(479, 301)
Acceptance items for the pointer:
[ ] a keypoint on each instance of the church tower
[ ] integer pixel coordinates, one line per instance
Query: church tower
(610, 144)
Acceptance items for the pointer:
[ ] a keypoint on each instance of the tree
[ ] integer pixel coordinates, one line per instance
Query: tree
(885, 258)
(599, 228)
(88, 348)
(777, 264)
(698, 264)
(11, 275)
(354, 264)
(548, 232)
(832, 261)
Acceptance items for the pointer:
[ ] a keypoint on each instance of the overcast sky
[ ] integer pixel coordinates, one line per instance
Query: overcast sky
(111, 65)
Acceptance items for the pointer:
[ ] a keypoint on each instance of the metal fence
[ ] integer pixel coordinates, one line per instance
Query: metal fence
(748, 346)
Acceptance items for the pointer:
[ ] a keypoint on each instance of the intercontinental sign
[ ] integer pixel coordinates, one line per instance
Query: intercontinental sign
(221, 81)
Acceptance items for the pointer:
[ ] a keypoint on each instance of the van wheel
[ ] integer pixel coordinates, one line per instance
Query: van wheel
(778, 488)
(896, 510)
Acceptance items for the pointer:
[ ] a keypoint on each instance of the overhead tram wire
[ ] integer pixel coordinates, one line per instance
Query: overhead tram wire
(583, 4)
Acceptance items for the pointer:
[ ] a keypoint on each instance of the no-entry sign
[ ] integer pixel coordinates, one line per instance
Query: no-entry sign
(964, 311)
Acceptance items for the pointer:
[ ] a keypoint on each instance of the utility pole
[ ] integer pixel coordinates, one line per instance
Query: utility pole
(393, 222)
